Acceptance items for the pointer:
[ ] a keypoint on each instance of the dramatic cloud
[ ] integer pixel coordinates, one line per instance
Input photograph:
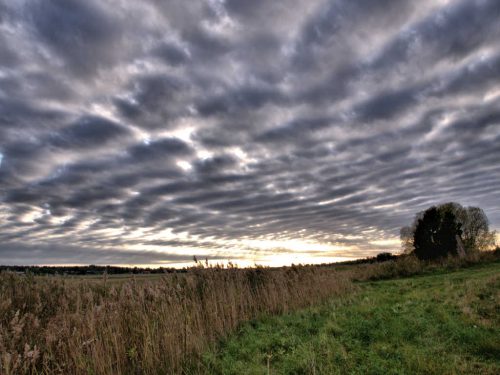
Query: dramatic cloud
(253, 131)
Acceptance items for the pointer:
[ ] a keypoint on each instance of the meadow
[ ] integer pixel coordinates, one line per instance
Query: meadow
(296, 320)
(441, 323)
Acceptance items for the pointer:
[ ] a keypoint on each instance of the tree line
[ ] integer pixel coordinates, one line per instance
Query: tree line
(87, 270)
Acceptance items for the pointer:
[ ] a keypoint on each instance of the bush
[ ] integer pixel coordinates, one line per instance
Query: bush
(384, 257)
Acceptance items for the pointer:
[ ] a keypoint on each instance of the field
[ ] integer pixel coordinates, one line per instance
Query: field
(418, 318)
(444, 323)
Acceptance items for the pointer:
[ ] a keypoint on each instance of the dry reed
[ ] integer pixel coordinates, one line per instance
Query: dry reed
(64, 326)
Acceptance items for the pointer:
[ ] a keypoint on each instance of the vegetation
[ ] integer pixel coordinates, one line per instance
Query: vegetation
(447, 229)
(96, 270)
(87, 270)
(55, 325)
(441, 323)
(59, 325)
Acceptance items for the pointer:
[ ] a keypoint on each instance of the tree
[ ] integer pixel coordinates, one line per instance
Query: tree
(406, 235)
(426, 236)
(434, 232)
(476, 233)
(448, 233)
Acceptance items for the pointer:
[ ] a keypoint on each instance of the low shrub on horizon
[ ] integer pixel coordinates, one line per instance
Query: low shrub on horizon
(408, 265)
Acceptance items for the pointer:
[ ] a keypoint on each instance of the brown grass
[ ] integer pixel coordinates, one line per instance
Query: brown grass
(58, 326)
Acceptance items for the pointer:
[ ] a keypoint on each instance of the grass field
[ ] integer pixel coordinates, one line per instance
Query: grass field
(443, 323)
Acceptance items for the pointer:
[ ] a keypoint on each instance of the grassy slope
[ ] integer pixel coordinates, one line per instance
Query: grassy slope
(442, 323)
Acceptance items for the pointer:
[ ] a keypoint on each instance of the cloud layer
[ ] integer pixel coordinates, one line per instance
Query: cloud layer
(264, 131)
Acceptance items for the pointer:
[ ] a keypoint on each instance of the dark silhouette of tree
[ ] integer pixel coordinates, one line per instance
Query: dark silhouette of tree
(425, 238)
(436, 234)
(469, 224)
(447, 235)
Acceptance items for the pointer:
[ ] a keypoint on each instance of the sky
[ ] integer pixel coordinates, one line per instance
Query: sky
(256, 132)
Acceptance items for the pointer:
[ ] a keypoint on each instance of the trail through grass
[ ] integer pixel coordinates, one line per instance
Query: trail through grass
(444, 323)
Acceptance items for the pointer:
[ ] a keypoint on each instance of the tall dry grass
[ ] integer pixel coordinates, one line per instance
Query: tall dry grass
(61, 326)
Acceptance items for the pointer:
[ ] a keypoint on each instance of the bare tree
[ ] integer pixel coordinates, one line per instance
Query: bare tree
(476, 234)
(406, 236)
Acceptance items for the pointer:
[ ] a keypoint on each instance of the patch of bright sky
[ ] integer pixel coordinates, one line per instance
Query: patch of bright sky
(35, 214)
(492, 95)
(247, 252)
(438, 128)
(204, 154)
(184, 133)
(184, 165)
(387, 242)
(386, 206)
(104, 110)
(59, 220)
(241, 155)
(292, 245)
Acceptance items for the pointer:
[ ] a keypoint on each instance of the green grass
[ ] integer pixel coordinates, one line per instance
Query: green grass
(444, 323)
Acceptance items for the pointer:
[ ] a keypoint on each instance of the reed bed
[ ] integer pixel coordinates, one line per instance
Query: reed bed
(68, 326)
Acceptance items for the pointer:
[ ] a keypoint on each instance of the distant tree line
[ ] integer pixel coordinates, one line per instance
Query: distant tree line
(447, 229)
(87, 270)
(381, 257)
(115, 270)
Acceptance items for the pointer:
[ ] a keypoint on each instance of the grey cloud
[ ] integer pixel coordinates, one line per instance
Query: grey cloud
(480, 74)
(172, 54)
(450, 33)
(223, 135)
(15, 112)
(8, 57)
(215, 164)
(241, 99)
(50, 87)
(335, 23)
(87, 132)
(81, 32)
(206, 46)
(160, 149)
(386, 105)
(197, 124)
(154, 100)
(18, 253)
(297, 129)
